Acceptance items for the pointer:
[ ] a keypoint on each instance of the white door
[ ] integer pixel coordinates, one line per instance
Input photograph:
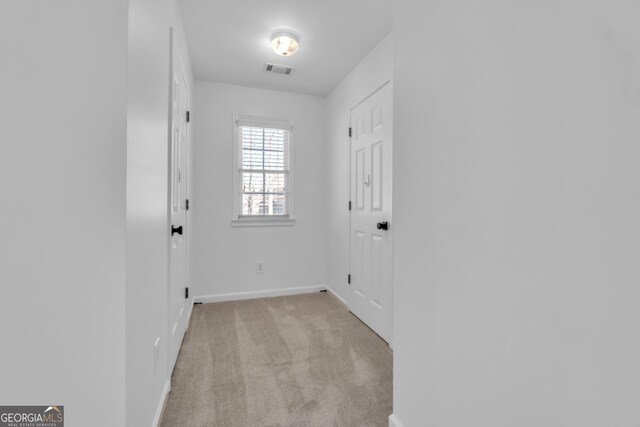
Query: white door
(178, 299)
(370, 291)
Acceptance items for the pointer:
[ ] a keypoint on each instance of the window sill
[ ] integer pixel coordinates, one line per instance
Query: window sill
(263, 222)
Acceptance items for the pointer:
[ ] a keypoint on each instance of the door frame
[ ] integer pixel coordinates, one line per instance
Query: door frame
(368, 94)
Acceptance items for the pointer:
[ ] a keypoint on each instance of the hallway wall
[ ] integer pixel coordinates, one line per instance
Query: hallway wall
(517, 236)
(225, 256)
(366, 77)
(148, 223)
(63, 164)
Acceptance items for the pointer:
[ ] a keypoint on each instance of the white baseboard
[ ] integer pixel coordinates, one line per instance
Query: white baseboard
(161, 404)
(190, 304)
(338, 297)
(259, 294)
(394, 421)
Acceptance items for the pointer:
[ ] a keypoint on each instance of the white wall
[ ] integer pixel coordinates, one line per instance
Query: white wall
(225, 256)
(516, 204)
(375, 69)
(62, 258)
(147, 215)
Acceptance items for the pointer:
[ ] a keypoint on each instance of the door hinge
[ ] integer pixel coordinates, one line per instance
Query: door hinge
(186, 293)
(349, 204)
(186, 204)
(188, 116)
(349, 279)
(349, 132)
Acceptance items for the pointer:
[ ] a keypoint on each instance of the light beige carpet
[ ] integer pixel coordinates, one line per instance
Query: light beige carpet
(290, 361)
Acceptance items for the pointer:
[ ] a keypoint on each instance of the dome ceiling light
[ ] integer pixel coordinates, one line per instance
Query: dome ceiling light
(284, 43)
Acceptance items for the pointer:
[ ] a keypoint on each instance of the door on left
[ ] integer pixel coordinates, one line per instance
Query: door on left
(178, 296)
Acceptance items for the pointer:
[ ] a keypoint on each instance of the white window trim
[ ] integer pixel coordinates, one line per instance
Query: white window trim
(257, 220)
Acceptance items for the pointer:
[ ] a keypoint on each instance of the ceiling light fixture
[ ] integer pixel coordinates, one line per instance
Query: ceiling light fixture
(284, 43)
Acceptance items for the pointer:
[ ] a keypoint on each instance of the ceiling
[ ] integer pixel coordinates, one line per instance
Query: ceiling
(229, 41)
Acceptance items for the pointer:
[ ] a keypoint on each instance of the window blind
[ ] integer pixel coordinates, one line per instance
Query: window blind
(264, 171)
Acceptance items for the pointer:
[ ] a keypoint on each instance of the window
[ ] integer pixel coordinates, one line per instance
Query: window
(262, 181)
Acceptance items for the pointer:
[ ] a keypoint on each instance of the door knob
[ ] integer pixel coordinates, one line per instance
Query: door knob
(384, 225)
(176, 230)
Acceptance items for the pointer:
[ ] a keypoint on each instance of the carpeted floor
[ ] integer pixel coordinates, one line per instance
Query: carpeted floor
(298, 361)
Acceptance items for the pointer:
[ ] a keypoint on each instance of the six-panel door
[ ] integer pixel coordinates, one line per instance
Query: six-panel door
(370, 292)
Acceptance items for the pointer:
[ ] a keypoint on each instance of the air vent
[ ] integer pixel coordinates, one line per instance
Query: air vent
(278, 69)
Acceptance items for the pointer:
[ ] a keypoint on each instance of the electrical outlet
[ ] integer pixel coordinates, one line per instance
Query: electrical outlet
(259, 267)
(156, 355)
